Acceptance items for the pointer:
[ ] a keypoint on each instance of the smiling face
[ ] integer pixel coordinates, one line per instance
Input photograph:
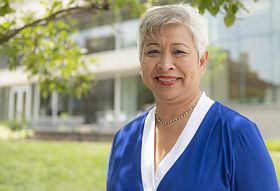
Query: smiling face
(170, 66)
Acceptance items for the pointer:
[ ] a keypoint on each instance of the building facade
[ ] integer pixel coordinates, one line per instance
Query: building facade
(250, 75)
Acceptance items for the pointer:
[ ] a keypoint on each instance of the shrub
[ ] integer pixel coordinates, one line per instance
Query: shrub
(273, 145)
(6, 133)
(15, 125)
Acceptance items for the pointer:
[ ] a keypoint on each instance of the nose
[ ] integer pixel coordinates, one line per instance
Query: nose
(165, 63)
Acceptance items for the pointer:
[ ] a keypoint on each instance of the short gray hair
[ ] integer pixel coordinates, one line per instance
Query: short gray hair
(159, 16)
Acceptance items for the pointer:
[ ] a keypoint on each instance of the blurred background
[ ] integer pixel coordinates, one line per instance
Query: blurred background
(248, 78)
(243, 72)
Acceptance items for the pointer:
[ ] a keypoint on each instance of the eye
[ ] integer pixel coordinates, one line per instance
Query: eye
(179, 53)
(153, 53)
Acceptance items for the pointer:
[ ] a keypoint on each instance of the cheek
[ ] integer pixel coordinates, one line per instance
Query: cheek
(144, 71)
(193, 74)
(146, 67)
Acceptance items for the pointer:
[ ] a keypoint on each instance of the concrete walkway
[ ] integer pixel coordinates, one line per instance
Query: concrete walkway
(267, 118)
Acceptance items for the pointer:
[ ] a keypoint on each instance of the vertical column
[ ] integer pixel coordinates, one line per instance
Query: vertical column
(36, 108)
(1, 105)
(28, 103)
(54, 104)
(272, 38)
(11, 104)
(19, 107)
(117, 31)
(70, 102)
(117, 94)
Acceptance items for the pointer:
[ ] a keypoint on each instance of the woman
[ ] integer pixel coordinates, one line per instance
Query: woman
(187, 141)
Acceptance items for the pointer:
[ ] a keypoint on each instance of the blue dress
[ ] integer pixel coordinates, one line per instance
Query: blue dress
(226, 153)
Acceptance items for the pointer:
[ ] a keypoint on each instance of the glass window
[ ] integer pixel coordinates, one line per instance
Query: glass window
(275, 68)
(74, 106)
(45, 105)
(100, 44)
(4, 103)
(136, 97)
(275, 6)
(145, 96)
(253, 47)
(88, 20)
(128, 33)
(223, 33)
(249, 69)
(126, 14)
(100, 99)
(129, 95)
(3, 61)
(257, 21)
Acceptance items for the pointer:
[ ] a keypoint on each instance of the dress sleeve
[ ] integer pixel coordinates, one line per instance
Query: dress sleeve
(253, 168)
(111, 160)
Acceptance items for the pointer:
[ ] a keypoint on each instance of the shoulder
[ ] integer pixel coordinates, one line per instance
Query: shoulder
(132, 127)
(246, 143)
(127, 136)
(233, 117)
(235, 122)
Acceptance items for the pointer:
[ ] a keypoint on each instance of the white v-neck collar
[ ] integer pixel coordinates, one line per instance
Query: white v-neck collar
(150, 179)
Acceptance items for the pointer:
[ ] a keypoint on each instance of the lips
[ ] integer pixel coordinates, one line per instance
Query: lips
(167, 80)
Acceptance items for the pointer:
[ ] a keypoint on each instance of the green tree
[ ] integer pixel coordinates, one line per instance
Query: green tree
(229, 8)
(42, 47)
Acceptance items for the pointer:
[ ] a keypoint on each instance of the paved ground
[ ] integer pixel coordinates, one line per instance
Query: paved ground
(267, 117)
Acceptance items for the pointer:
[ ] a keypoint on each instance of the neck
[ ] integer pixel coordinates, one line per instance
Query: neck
(168, 111)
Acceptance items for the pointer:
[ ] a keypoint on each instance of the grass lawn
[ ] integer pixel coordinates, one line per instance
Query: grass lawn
(52, 166)
(276, 160)
(59, 166)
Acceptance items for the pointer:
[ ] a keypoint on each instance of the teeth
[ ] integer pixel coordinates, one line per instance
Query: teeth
(167, 79)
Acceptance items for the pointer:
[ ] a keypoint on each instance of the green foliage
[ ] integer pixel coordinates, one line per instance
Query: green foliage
(136, 8)
(42, 47)
(48, 54)
(55, 166)
(15, 125)
(5, 7)
(276, 161)
(13, 130)
(273, 145)
(227, 7)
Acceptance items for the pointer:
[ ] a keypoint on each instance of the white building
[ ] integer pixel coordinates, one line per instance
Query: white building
(251, 75)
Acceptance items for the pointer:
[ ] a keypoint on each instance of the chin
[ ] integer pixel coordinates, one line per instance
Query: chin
(166, 98)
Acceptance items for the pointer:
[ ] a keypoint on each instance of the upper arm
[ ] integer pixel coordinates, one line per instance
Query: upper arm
(252, 165)
(111, 159)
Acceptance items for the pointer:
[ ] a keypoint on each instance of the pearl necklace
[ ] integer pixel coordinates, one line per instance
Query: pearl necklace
(178, 118)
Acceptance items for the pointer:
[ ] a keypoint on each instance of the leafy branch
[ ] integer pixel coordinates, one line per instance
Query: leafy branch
(55, 16)
(229, 8)
(43, 48)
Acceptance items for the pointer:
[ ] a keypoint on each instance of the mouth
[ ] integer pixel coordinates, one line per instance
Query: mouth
(167, 80)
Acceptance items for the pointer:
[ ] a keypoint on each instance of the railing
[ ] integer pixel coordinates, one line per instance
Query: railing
(57, 123)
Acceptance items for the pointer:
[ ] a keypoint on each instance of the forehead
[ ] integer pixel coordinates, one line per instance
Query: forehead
(175, 33)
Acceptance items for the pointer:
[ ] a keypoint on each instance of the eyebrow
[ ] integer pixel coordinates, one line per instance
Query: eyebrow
(173, 44)
(152, 43)
(181, 44)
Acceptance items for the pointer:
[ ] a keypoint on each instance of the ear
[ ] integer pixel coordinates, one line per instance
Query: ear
(203, 61)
